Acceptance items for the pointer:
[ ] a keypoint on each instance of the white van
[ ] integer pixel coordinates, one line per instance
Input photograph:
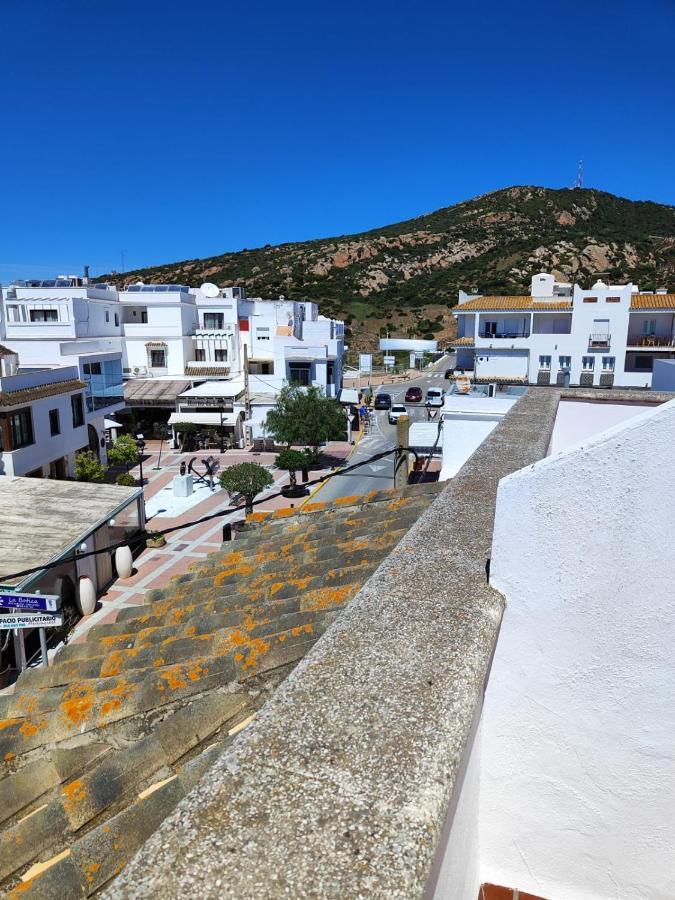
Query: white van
(435, 397)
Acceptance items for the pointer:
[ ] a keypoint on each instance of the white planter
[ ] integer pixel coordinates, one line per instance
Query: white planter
(124, 562)
(86, 600)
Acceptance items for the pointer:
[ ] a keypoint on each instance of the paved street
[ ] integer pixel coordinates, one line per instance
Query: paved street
(380, 475)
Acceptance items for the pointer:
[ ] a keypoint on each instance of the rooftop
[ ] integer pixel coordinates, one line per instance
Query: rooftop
(61, 512)
(102, 745)
(638, 301)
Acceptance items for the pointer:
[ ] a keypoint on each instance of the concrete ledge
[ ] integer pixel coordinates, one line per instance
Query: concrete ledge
(340, 786)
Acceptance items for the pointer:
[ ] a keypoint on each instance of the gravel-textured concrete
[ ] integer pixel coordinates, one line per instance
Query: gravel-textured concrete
(340, 786)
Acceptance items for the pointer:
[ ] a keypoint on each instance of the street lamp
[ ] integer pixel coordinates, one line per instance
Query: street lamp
(220, 410)
(161, 443)
(140, 446)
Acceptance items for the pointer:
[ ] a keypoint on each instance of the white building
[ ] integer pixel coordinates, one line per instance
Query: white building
(69, 322)
(562, 334)
(42, 419)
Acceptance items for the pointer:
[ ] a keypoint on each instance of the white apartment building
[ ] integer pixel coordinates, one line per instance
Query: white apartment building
(563, 334)
(42, 419)
(69, 322)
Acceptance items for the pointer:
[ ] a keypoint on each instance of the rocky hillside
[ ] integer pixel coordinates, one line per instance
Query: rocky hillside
(404, 276)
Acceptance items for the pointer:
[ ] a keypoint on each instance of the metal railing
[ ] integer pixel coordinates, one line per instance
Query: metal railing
(651, 340)
(504, 334)
(599, 340)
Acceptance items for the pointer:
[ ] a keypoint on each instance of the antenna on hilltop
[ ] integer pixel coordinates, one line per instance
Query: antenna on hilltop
(579, 182)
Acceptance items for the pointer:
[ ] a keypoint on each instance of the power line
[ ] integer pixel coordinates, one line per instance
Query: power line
(142, 535)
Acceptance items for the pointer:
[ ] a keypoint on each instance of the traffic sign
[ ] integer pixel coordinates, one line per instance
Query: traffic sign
(30, 620)
(45, 602)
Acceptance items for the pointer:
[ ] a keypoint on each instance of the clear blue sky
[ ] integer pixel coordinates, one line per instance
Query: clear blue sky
(173, 130)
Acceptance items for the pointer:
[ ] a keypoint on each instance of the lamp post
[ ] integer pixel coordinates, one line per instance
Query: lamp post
(140, 446)
(220, 410)
(161, 444)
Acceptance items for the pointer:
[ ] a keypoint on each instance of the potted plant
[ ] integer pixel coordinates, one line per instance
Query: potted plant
(247, 479)
(292, 461)
(154, 540)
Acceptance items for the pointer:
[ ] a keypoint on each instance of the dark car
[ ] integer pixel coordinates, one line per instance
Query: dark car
(413, 395)
(449, 373)
(382, 401)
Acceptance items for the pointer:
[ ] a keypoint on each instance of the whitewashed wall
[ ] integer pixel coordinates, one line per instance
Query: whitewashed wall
(578, 759)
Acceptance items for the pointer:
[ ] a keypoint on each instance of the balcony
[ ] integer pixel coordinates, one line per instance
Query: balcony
(665, 342)
(506, 335)
(599, 341)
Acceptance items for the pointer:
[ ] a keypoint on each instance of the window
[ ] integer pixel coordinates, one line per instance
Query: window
(54, 425)
(608, 363)
(13, 314)
(544, 362)
(330, 372)
(612, 299)
(117, 319)
(92, 368)
(200, 355)
(44, 315)
(300, 373)
(649, 326)
(565, 362)
(220, 354)
(21, 428)
(107, 316)
(262, 334)
(144, 317)
(158, 359)
(587, 363)
(644, 363)
(214, 320)
(590, 299)
(78, 410)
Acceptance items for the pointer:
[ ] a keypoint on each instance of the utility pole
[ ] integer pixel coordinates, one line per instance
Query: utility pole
(401, 456)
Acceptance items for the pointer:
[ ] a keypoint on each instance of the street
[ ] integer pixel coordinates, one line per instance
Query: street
(379, 475)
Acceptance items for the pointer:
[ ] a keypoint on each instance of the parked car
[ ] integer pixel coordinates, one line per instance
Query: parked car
(398, 409)
(413, 395)
(435, 397)
(382, 401)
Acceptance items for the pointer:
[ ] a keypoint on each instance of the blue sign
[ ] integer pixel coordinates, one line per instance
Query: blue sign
(44, 602)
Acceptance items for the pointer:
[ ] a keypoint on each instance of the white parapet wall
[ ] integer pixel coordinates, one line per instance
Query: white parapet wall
(577, 787)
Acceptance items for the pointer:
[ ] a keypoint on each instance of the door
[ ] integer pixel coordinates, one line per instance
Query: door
(490, 329)
(103, 560)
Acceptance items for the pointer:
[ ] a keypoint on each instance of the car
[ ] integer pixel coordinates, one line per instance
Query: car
(449, 373)
(382, 401)
(435, 397)
(413, 395)
(398, 409)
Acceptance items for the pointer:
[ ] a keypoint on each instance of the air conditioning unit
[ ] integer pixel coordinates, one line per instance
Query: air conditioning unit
(136, 370)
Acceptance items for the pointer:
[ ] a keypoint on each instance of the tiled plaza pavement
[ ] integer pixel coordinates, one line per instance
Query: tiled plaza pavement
(154, 568)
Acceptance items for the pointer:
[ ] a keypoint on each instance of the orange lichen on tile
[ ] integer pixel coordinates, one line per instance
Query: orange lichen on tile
(256, 649)
(316, 506)
(235, 570)
(348, 501)
(30, 728)
(90, 870)
(325, 598)
(113, 664)
(73, 794)
(76, 704)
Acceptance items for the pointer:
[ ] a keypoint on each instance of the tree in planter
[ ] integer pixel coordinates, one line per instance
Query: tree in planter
(305, 416)
(124, 452)
(185, 432)
(248, 479)
(124, 479)
(292, 461)
(88, 467)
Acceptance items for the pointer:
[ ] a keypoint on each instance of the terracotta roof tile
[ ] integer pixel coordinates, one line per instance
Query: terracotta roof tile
(27, 395)
(652, 301)
(498, 303)
(153, 699)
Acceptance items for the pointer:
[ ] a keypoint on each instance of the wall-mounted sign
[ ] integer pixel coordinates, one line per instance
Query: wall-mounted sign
(45, 602)
(389, 360)
(30, 620)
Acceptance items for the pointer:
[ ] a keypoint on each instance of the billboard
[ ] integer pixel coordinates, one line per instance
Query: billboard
(408, 344)
(365, 363)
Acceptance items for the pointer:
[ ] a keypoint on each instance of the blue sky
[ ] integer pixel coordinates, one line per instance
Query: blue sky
(174, 130)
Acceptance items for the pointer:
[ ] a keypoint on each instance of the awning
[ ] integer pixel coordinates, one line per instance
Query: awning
(423, 436)
(153, 391)
(348, 395)
(203, 418)
(216, 389)
(111, 423)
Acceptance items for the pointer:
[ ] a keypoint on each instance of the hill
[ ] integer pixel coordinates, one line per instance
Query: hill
(405, 276)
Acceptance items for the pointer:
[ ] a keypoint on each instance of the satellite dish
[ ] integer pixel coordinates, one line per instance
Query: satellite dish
(210, 290)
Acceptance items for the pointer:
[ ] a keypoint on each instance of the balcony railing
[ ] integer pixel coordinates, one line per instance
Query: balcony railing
(504, 334)
(651, 340)
(599, 341)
